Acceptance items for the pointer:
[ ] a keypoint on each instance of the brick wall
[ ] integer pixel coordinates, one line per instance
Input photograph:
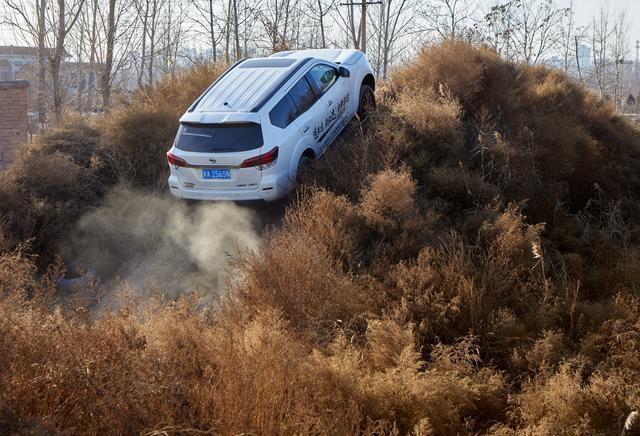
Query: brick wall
(13, 119)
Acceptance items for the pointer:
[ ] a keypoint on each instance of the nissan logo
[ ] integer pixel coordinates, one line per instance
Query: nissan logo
(212, 160)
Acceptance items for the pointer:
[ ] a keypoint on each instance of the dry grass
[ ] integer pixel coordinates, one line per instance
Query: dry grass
(466, 264)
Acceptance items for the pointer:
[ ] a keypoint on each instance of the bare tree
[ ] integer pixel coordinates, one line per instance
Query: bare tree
(63, 17)
(600, 34)
(317, 11)
(449, 19)
(347, 25)
(537, 28)
(276, 17)
(207, 22)
(105, 77)
(618, 54)
(395, 20)
(499, 22)
(19, 16)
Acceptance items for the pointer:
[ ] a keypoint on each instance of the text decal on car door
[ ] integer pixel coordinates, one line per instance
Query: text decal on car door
(325, 125)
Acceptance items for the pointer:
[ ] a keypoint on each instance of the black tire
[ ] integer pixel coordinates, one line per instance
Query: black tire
(367, 102)
(304, 167)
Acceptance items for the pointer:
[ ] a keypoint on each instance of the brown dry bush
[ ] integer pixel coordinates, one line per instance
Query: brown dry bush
(313, 295)
(466, 263)
(136, 139)
(49, 186)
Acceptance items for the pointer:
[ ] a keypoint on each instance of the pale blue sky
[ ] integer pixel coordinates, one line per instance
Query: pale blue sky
(585, 10)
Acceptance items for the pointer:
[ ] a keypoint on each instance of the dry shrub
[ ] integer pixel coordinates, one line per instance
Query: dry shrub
(456, 288)
(389, 201)
(136, 139)
(398, 229)
(460, 185)
(178, 91)
(405, 392)
(75, 137)
(49, 186)
(314, 293)
(547, 351)
(569, 403)
(158, 365)
(434, 115)
(269, 384)
(352, 158)
(476, 77)
(332, 222)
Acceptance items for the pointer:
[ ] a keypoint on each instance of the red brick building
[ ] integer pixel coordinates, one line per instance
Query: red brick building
(14, 125)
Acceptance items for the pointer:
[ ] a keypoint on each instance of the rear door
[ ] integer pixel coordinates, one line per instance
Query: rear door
(332, 95)
(215, 153)
(308, 114)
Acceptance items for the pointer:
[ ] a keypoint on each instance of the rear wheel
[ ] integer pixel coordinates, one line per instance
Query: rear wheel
(304, 168)
(367, 102)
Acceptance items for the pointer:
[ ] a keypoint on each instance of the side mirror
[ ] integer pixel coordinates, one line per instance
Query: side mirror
(344, 72)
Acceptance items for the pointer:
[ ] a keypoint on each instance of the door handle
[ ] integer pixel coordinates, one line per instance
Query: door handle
(306, 129)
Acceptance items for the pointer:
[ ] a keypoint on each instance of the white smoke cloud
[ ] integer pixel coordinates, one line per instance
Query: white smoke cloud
(155, 241)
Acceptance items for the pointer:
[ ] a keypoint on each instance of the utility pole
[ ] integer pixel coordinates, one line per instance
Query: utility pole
(363, 20)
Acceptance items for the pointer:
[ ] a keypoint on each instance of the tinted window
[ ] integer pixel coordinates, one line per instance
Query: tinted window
(302, 95)
(322, 77)
(283, 113)
(209, 138)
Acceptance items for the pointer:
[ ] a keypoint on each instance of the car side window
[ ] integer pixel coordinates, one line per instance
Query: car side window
(302, 95)
(284, 112)
(322, 77)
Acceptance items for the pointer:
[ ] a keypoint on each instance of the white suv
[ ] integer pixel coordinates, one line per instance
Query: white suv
(260, 122)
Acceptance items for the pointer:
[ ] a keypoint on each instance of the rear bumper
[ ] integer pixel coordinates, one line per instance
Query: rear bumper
(271, 188)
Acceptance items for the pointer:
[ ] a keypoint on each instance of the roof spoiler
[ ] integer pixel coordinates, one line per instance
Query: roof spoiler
(219, 117)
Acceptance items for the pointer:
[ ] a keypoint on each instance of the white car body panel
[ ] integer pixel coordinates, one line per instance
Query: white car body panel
(262, 96)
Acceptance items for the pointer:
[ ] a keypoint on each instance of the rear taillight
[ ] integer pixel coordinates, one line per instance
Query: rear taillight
(175, 160)
(263, 161)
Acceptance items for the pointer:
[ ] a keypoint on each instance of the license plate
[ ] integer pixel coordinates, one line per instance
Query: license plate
(216, 174)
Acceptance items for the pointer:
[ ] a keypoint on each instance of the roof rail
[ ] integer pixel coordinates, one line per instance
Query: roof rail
(280, 84)
(193, 106)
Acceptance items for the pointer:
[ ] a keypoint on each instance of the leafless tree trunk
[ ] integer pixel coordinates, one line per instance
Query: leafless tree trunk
(41, 10)
(64, 25)
(93, 42)
(236, 31)
(105, 78)
(152, 32)
(619, 51)
(143, 12)
(599, 44)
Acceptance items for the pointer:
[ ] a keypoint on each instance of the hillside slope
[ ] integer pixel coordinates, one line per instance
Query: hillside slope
(468, 262)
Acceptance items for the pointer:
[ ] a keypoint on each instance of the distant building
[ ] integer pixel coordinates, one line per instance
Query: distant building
(584, 57)
(21, 63)
(13, 58)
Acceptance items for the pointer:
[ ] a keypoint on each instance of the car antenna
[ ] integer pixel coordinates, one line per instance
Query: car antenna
(226, 103)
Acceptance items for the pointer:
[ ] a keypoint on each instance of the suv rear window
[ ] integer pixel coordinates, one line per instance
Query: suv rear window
(219, 138)
(283, 113)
